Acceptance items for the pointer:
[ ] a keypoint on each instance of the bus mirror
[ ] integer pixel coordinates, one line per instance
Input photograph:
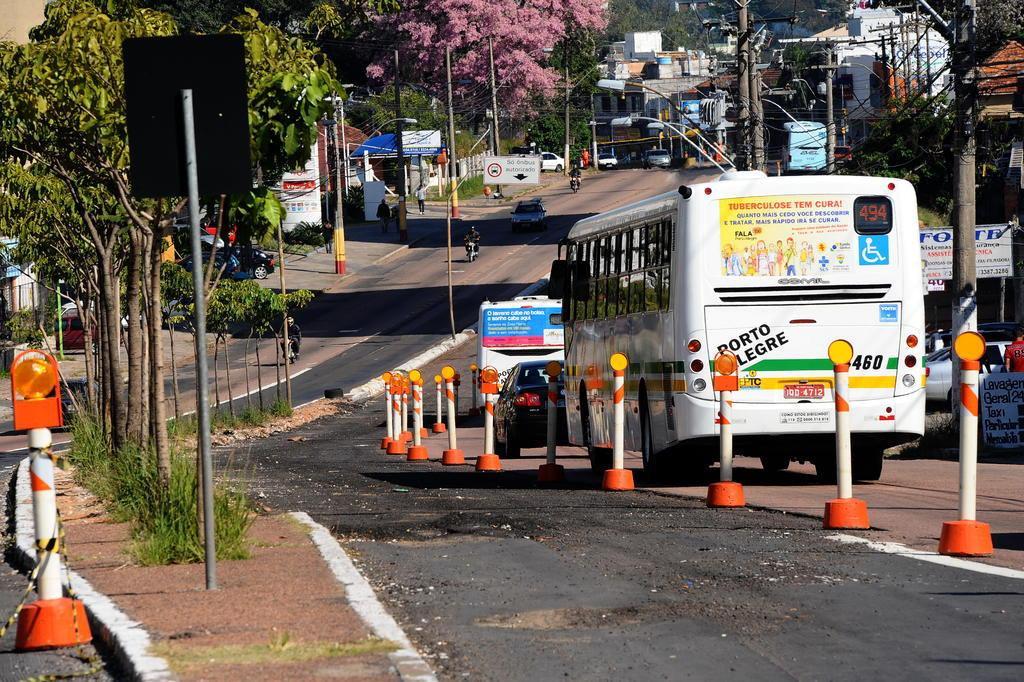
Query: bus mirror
(556, 281)
(555, 318)
(581, 282)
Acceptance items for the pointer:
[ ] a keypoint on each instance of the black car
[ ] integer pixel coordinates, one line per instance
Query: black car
(255, 261)
(521, 413)
(74, 394)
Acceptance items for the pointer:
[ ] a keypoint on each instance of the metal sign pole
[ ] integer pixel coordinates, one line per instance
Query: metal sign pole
(203, 406)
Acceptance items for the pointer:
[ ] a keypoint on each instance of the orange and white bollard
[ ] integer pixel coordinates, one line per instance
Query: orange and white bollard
(845, 511)
(456, 382)
(388, 422)
(474, 410)
(439, 424)
(551, 472)
(397, 445)
(618, 477)
(453, 455)
(53, 620)
(406, 434)
(488, 461)
(417, 453)
(725, 492)
(968, 536)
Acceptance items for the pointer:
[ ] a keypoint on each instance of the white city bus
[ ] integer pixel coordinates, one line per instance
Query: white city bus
(525, 328)
(772, 269)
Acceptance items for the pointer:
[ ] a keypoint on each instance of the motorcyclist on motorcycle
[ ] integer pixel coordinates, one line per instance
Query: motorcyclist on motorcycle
(471, 241)
(575, 178)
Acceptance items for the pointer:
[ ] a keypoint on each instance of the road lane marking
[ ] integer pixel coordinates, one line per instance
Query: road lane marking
(930, 557)
(363, 600)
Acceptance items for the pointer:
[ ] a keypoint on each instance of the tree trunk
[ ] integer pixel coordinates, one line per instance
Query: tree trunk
(110, 306)
(248, 390)
(174, 372)
(277, 364)
(216, 373)
(147, 433)
(227, 377)
(259, 373)
(134, 428)
(158, 407)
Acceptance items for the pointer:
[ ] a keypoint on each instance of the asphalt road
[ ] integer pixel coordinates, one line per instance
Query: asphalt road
(495, 579)
(20, 666)
(382, 316)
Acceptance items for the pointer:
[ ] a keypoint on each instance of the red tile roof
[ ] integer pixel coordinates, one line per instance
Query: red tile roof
(1001, 73)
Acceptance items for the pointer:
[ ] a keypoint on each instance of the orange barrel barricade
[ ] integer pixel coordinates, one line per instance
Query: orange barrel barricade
(618, 477)
(488, 461)
(725, 492)
(968, 536)
(417, 452)
(388, 421)
(845, 511)
(551, 472)
(439, 424)
(397, 445)
(453, 455)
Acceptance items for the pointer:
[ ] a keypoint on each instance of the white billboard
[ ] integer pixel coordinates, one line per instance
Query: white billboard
(994, 251)
(300, 193)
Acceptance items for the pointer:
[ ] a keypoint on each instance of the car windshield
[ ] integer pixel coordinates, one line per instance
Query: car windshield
(939, 355)
(657, 152)
(606, 155)
(527, 208)
(533, 375)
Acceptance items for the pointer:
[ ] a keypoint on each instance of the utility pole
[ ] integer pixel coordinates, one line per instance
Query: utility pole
(742, 154)
(453, 166)
(339, 204)
(965, 314)
(757, 115)
(403, 227)
(495, 138)
(568, 88)
(830, 122)
(593, 137)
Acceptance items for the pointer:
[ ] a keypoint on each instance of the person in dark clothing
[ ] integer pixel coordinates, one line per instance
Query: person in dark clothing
(328, 237)
(384, 215)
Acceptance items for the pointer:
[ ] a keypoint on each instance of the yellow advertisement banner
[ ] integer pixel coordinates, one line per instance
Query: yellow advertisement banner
(787, 236)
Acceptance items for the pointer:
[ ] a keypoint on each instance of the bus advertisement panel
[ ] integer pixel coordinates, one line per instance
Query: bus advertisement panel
(798, 236)
(505, 327)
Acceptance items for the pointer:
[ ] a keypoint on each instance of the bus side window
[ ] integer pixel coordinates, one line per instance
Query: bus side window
(595, 279)
(666, 243)
(652, 289)
(636, 278)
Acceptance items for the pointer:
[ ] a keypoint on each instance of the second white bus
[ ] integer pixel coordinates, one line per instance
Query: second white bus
(773, 270)
(525, 328)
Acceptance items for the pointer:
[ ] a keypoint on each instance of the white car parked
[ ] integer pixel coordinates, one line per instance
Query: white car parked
(551, 162)
(940, 369)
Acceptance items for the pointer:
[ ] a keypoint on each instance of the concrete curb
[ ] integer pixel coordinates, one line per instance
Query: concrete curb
(374, 387)
(124, 637)
(360, 595)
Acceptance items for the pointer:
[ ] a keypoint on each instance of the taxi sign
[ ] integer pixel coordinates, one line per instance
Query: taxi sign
(512, 170)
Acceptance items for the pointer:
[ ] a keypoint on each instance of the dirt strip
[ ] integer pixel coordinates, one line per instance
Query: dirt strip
(277, 615)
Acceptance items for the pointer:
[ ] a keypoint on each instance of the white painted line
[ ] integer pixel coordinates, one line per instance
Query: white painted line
(299, 407)
(931, 557)
(126, 637)
(361, 597)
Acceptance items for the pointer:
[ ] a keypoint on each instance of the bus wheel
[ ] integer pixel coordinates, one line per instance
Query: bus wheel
(775, 462)
(825, 467)
(867, 465)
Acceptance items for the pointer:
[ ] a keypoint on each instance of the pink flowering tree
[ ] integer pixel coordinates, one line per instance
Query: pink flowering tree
(520, 29)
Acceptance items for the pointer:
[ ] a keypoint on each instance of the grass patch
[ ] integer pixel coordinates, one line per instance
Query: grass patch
(281, 649)
(165, 529)
(932, 218)
(221, 420)
(471, 188)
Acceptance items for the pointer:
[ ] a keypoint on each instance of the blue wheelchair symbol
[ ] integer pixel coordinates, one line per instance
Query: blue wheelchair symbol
(873, 250)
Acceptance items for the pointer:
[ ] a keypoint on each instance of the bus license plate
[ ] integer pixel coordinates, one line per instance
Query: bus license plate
(803, 391)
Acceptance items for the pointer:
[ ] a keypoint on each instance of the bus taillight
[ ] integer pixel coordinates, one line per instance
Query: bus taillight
(693, 346)
(696, 366)
(912, 341)
(910, 361)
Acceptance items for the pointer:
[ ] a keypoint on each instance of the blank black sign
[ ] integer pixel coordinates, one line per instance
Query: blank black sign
(156, 70)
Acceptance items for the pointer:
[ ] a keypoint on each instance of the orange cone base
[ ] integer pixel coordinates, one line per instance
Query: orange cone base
(384, 443)
(417, 453)
(424, 432)
(405, 436)
(549, 474)
(846, 513)
(487, 462)
(722, 494)
(965, 538)
(617, 479)
(51, 624)
(396, 447)
(438, 427)
(452, 457)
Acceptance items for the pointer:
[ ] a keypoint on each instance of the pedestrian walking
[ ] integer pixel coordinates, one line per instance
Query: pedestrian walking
(384, 215)
(421, 198)
(328, 237)
(1013, 358)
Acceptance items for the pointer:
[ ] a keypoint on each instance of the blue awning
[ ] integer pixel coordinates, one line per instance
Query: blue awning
(384, 145)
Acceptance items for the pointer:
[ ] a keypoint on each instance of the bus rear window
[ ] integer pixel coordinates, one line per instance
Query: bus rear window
(872, 215)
